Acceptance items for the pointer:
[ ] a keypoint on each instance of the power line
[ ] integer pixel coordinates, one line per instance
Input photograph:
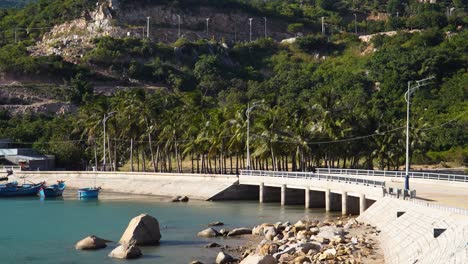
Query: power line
(258, 136)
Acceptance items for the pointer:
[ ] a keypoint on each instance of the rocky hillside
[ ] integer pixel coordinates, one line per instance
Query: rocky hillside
(73, 39)
(19, 99)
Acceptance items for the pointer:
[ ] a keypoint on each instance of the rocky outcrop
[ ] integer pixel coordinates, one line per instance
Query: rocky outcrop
(73, 39)
(142, 230)
(91, 243)
(126, 252)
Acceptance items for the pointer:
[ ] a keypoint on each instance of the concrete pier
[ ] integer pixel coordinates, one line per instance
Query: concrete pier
(362, 203)
(344, 203)
(307, 197)
(283, 194)
(327, 200)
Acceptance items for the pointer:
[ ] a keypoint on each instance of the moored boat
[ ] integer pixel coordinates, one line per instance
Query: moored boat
(89, 192)
(13, 189)
(54, 190)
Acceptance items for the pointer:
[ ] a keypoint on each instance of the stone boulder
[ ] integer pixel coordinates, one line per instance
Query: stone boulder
(176, 199)
(240, 231)
(212, 245)
(91, 243)
(329, 232)
(216, 223)
(209, 232)
(184, 199)
(224, 231)
(267, 249)
(142, 230)
(126, 252)
(258, 259)
(224, 258)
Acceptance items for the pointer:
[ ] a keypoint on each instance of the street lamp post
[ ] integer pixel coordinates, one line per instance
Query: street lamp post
(104, 120)
(178, 33)
(419, 83)
(147, 26)
(323, 25)
(247, 113)
(250, 29)
(265, 19)
(355, 23)
(207, 24)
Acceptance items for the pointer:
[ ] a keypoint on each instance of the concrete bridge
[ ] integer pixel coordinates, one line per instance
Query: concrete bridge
(315, 190)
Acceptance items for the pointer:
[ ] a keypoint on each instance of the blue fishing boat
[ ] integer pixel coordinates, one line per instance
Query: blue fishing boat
(54, 190)
(89, 192)
(13, 189)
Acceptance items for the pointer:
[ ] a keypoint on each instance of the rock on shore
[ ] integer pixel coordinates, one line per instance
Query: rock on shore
(311, 242)
(126, 252)
(240, 231)
(91, 243)
(209, 232)
(224, 258)
(142, 230)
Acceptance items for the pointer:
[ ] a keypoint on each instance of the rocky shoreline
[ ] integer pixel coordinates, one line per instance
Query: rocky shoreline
(341, 240)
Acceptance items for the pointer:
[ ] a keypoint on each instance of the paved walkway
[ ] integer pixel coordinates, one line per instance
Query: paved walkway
(449, 194)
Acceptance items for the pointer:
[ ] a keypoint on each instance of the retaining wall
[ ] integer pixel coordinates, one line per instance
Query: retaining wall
(409, 232)
(200, 186)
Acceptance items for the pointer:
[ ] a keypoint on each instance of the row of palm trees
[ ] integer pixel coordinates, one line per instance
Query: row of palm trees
(186, 132)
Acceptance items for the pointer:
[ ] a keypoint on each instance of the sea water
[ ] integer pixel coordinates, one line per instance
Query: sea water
(45, 231)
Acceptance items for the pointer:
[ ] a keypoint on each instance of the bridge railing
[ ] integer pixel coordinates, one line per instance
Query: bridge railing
(313, 176)
(13, 168)
(396, 174)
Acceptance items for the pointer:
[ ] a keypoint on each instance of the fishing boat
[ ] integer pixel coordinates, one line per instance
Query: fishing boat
(54, 190)
(89, 192)
(13, 189)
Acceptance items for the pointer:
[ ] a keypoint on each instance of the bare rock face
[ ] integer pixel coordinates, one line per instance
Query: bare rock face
(91, 243)
(126, 252)
(142, 230)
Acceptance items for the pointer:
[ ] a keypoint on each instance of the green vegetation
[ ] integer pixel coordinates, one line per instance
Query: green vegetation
(324, 100)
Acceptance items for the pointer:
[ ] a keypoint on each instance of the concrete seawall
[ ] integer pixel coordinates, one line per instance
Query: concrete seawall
(195, 186)
(414, 233)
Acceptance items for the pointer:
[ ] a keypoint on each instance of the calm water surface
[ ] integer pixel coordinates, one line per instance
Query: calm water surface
(34, 231)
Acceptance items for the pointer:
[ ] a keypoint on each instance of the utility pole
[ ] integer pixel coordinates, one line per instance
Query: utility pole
(419, 83)
(397, 14)
(265, 19)
(16, 36)
(247, 113)
(355, 23)
(178, 33)
(104, 121)
(250, 31)
(147, 27)
(207, 27)
(323, 25)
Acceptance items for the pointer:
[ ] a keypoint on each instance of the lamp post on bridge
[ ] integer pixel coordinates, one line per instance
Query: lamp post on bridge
(247, 113)
(411, 90)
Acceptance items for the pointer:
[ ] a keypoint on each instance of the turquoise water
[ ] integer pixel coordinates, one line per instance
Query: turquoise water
(34, 231)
